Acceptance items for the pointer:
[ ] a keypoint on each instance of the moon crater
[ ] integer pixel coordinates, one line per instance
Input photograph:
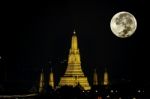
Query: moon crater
(123, 24)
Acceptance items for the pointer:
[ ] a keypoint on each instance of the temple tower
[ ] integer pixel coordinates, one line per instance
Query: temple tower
(51, 79)
(74, 74)
(41, 85)
(95, 78)
(106, 79)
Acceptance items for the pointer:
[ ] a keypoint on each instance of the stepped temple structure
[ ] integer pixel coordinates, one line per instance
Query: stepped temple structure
(74, 75)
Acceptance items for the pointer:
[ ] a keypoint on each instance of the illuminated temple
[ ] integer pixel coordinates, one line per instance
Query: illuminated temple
(74, 75)
(106, 81)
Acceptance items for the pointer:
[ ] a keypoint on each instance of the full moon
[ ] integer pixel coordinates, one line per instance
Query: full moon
(123, 24)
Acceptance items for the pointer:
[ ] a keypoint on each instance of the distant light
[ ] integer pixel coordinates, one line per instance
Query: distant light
(88, 91)
(116, 91)
(108, 96)
(111, 91)
(120, 98)
(133, 98)
(139, 91)
(99, 97)
(83, 91)
(0, 57)
(96, 91)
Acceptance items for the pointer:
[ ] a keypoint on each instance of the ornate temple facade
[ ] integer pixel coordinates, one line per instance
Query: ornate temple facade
(74, 74)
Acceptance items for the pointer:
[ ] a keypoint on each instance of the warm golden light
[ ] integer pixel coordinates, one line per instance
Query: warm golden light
(95, 78)
(51, 79)
(106, 81)
(41, 86)
(74, 74)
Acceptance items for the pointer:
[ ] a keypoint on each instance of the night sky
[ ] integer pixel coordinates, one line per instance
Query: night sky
(36, 35)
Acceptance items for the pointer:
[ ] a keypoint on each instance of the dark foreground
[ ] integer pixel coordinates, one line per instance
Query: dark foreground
(97, 92)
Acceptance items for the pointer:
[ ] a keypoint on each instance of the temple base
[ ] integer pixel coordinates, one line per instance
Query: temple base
(74, 81)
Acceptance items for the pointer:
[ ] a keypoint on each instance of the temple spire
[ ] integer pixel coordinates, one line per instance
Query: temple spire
(106, 79)
(95, 78)
(74, 74)
(41, 85)
(51, 78)
(74, 42)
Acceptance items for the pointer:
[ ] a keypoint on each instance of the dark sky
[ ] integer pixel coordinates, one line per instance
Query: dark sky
(34, 33)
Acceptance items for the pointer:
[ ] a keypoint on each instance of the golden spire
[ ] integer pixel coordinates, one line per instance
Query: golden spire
(74, 43)
(51, 79)
(74, 74)
(74, 54)
(95, 78)
(41, 85)
(106, 81)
